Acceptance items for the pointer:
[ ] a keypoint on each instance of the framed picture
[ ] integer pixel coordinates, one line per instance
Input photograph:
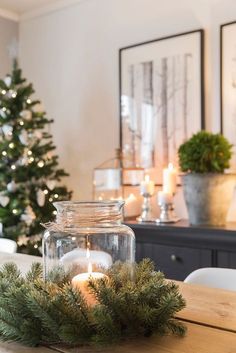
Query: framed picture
(161, 99)
(228, 84)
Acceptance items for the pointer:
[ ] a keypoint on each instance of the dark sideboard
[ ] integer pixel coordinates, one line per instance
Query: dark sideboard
(178, 249)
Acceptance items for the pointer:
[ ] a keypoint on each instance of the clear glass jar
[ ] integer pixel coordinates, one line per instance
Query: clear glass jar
(88, 237)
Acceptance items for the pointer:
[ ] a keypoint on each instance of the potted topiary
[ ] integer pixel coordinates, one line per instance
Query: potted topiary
(207, 189)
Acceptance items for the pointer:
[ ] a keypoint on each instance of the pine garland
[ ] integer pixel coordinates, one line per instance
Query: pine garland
(35, 312)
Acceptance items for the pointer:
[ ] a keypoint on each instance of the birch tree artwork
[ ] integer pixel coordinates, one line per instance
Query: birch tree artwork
(160, 100)
(228, 89)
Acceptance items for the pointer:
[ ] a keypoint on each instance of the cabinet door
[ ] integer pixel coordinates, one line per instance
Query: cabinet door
(226, 259)
(175, 262)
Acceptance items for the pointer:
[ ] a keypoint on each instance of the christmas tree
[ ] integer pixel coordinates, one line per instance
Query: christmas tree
(29, 173)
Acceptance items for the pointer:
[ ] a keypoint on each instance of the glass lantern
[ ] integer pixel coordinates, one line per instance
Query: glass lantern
(107, 179)
(87, 239)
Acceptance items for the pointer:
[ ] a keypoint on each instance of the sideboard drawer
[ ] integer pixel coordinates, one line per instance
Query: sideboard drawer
(175, 262)
(226, 259)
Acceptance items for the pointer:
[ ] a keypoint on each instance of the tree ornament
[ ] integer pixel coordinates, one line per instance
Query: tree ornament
(28, 216)
(49, 155)
(51, 184)
(4, 200)
(3, 113)
(22, 240)
(7, 129)
(12, 186)
(8, 80)
(40, 198)
(38, 134)
(26, 115)
(11, 93)
(23, 137)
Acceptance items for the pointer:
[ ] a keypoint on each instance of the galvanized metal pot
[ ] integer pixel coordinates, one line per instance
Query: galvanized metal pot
(208, 197)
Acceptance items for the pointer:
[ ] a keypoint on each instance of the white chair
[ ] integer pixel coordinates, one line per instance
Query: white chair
(224, 278)
(8, 246)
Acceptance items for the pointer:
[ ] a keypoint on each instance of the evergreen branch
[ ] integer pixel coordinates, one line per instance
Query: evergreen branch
(130, 303)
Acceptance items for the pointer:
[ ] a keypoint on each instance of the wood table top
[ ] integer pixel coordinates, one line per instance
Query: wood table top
(210, 317)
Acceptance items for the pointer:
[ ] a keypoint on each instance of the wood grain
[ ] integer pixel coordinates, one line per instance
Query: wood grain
(17, 348)
(209, 306)
(199, 339)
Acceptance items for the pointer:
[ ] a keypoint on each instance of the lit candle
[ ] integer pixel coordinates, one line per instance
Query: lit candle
(164, 198)
(80, 282)
(132, 206)
(169, 179)
(147, 186)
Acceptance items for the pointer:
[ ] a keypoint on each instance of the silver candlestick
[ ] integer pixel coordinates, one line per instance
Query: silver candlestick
(146, 215)
(167, 211)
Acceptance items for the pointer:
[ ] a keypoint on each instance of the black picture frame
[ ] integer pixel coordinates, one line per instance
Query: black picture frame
(200, 32)
(227, 127)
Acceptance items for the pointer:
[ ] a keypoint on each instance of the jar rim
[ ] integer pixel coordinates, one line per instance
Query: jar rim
(103, 203)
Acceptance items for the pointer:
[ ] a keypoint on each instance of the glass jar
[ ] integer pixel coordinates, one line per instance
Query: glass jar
(87, 238)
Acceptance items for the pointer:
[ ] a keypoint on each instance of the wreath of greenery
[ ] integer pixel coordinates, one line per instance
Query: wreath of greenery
(35, 312)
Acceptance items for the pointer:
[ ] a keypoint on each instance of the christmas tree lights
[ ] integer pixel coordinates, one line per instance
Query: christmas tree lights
(29, 173)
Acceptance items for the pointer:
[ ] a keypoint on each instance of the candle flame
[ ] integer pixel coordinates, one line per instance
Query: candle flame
(88, 249)
(90, 268)
(131, 197)
(147, 178)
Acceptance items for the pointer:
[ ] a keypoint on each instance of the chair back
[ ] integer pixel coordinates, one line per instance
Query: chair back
(216, 277)
(8, 246)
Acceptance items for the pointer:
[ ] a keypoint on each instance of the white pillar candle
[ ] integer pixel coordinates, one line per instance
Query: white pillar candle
(132, 206)
(169, 179)
(80, 282)
(80, 257)
(164, 198)
(147, 186)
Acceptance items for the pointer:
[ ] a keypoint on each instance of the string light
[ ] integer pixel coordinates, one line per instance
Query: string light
(4, 91)
(35, 246)
(50, 199)
(14, 94)
(45, 191)
(4, 153)
(13, 167)
(29, 153)
(14, 211)
(21, 123)
(40, 164)
(55, 213)
(28, 101)
(31, 159)
(56, 196)
(4, 109)
(11, 145)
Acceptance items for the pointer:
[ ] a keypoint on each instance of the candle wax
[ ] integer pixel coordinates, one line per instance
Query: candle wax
(147, 186)
(169, 179)
(164, 198)
(80, 282)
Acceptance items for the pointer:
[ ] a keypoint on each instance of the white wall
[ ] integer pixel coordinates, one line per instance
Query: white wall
(9, 35)
(71, 55)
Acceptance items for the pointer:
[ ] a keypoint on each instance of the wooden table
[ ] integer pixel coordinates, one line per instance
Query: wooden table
(210, 316)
